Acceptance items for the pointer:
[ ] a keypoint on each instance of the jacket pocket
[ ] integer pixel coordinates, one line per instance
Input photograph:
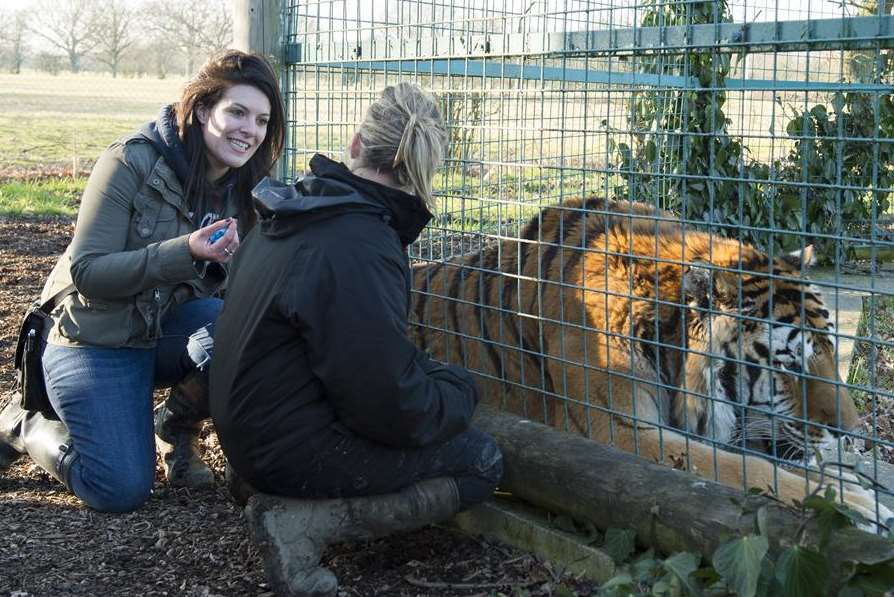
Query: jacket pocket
(151, 305)
(103, 323)
(154, 217)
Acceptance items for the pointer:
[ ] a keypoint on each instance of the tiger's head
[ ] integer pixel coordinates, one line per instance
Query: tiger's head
(761, 368)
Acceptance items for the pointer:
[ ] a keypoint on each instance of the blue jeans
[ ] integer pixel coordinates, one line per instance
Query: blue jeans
(104, 397)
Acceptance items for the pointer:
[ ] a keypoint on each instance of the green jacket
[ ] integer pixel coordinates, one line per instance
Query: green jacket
(129, 259)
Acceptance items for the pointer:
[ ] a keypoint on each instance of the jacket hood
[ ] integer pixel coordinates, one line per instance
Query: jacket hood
(162, 134)
(330, 190)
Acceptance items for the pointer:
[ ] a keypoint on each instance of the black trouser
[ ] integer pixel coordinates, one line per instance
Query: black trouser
(342, 464)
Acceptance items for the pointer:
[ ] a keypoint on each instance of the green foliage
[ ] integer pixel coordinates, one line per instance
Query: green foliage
(681, 156)
(802, 572)
(746, 565)
(462, 113)
(620, 543)
(739, 563)
(683, 565)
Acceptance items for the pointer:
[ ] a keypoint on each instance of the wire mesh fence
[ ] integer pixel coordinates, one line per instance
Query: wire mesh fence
(738, 314)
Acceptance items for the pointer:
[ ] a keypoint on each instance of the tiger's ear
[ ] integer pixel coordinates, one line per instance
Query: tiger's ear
(805, 257)
(696, 284)
(704, 286)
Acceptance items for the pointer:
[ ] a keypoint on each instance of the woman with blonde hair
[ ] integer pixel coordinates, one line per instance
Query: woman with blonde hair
(136, 291)
(317, 393)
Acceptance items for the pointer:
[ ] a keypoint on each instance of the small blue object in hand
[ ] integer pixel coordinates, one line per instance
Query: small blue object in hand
(217, 235)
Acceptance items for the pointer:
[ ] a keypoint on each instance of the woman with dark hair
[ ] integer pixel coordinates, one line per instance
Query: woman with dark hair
(160, 218)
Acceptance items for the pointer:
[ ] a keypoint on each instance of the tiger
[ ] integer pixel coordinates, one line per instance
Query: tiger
(616, 321)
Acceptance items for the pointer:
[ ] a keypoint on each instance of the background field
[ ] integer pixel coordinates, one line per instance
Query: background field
(52, 123)
(52, 128)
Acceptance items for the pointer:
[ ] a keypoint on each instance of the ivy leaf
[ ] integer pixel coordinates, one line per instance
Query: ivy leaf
(832, 515)
(643, 567)
(651, 151)
(802, 572)
(875, 580)
(618, 582)
(619, 543)
(767, 585)
(739, 563)
(682, 565)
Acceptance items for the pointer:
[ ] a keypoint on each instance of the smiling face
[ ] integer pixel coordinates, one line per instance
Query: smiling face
(234, 128)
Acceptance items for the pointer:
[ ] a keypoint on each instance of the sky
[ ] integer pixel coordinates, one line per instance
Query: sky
(17, 4)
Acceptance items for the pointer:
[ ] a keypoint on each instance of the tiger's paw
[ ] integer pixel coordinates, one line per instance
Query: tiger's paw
(874, 516)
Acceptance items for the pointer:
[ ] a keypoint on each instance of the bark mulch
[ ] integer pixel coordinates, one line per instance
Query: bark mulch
(194, 543)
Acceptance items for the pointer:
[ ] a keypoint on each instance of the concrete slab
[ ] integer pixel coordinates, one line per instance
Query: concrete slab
(526, 528)
(844, 294)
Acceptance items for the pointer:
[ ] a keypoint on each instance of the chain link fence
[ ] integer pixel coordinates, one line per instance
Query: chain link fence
(744, 132)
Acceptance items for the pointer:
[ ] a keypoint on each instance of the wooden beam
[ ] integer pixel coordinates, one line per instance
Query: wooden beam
(257, 27)
(670, 510)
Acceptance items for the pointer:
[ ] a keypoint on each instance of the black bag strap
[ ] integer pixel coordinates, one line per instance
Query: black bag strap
(51, 303)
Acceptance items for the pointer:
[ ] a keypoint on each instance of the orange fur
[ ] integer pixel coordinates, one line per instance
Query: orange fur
(602, 318)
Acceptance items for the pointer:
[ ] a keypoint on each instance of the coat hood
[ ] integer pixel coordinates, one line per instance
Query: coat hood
(330, 190)
(162, 134)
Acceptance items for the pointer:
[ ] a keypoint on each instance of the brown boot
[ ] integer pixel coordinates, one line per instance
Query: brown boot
(177, 423)
(292, 534)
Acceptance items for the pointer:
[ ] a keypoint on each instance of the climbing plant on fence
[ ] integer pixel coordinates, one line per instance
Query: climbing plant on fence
(681, 156)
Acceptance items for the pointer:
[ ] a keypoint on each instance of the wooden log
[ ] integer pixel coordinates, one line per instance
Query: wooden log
(670, 510)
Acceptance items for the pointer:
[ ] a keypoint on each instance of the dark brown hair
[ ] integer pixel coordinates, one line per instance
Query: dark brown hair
(204, 90)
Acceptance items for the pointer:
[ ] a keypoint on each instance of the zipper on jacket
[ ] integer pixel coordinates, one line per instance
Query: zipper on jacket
(152, 315)
(156, 298)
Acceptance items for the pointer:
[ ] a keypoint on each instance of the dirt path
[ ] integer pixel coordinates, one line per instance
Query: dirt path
(193, 543)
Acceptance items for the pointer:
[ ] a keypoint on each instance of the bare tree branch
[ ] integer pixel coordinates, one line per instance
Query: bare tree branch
(68, 25)
(195, 29)
(13, 46)
(114, 33)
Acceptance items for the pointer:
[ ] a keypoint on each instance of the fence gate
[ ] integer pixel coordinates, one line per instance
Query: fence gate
(750, 130)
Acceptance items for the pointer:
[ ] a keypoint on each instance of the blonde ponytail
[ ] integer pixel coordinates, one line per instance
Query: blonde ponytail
(403, 133)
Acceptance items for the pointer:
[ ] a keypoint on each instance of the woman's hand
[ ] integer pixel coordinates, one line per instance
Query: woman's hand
(220, 250)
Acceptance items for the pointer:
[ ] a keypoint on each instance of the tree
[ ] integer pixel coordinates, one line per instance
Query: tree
(194, 28)
(113, 33)
(69, 26)
(12, 39)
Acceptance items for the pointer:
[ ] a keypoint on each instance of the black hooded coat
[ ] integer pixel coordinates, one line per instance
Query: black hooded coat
(313, 334)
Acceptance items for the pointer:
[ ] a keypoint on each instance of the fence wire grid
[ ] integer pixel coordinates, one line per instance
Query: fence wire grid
(751, 130)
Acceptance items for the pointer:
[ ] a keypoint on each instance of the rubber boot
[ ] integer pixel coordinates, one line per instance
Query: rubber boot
(11, 447)
(46, 441)
(293, 533)
(177, 423)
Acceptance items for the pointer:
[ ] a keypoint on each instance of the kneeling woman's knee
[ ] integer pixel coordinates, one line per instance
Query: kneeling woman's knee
(481, 478)
(490, 460)
(123, 494)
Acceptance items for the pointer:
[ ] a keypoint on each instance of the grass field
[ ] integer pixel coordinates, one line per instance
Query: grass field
(53, 196)
(53, 128)
(48, 121)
